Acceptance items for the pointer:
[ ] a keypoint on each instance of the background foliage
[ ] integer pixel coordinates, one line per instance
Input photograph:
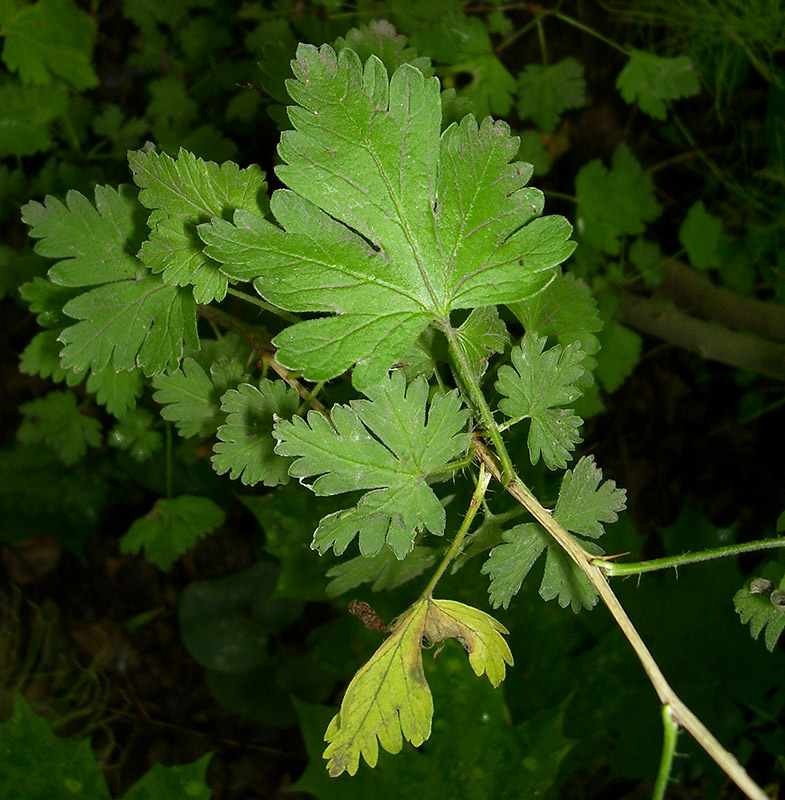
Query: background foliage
(655, 133)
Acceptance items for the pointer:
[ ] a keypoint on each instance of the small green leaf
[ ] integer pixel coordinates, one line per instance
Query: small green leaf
(584, 504)
(546, 92)
(142, 322)
(701, 235)
(36, 764)
(651, 80)
(245, 449)
(186, 781)
(611, 203)
(171, 528)
(192, 399)
(509, 563)
(56, 421)
(183, 193)
(96, 242)
(389, 700)
(482, 333)
(384, 444)
(136, 434)
(384, 570)
(379, 38)
(536, 387)
(761, 604)
(51, 39)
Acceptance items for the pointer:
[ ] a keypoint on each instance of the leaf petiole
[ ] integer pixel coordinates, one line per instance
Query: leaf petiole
(614, 568)
(483, 479)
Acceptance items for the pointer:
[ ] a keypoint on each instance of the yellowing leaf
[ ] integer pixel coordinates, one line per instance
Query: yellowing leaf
(389, 699)
(477, 631)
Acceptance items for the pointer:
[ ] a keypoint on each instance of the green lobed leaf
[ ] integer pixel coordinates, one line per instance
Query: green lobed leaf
(191, 398)
(96, 243)
(245, 449)
(385, 224)
(137, 323)
(182, 193)
(26, 114)
(583, 505)
(611, 203)
(379, 38)
(38, 765)
(536, 387)
(482, 333)
(565, 310)
(171, 528)
(116, 390)
(650, 80)
(760, 603)
(51, 39)
(56, 421)
(389, 700)
(136, 433)
(701, 235)
(384, 570)
(385, 444)
(545, 92)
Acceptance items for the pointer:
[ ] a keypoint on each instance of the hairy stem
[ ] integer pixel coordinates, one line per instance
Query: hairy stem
(483, 480)
(670, 734)
(476, 396)
(681, 714)
(614, 568)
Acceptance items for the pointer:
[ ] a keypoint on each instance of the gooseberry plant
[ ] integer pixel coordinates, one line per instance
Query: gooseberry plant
(398, 261)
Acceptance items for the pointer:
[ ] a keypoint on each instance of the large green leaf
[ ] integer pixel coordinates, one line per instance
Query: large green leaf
(386, 224)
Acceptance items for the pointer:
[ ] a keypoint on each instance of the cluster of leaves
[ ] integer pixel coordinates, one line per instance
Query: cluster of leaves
(405, 254)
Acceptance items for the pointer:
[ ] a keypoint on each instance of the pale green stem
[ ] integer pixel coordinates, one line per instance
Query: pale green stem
(614, 568)
(670, 734)
(477, 397)
(249, 298)
(483, 480)
(680, 712)
(309, 400)
(590, 31)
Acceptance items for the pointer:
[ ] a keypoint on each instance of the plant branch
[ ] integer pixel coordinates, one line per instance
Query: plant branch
(681, 714)
(615, 568)
(694, 293)
(483, 480)
(708, 339)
